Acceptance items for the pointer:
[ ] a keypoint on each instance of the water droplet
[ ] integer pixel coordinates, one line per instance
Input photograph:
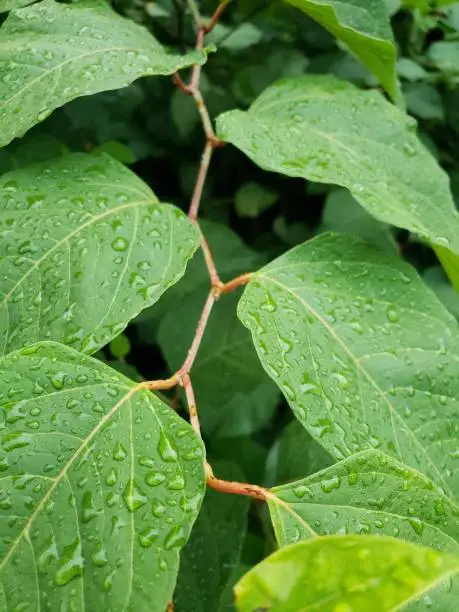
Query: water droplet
(175, 538)
(134, 498)
(148, 537)
(165, 449)
(71, 564)
(119, 452)
(120, 244)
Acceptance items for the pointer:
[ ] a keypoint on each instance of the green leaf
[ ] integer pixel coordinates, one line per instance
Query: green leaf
(445, 56)
(424, 101)
(369, 493)
(364, 26)
(226, 372)
(101, 483)
(71, 50)
(337, 325)
(8, 5)
(252, 199)
(85, 247)
(214, 549)
(343, 573)
(325, 130)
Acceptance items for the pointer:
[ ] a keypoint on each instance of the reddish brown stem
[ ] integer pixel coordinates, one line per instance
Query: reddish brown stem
(215, 17)
(201, 179)
(160, 385)
(236, 488)
(193, 351)
(177, 79)
(191, 401)
(211, 267)
(233, 284)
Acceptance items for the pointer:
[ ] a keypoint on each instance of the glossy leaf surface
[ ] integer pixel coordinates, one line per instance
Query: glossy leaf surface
(369, 493)
(326, 130)
(51, 53)
(78, 228)
(343, 573)
(336, 324)
(101, 483)
(364, 26)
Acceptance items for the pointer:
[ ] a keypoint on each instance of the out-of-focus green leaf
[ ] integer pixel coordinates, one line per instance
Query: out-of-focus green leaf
(343, 214)
(252, 199)
(343, 573)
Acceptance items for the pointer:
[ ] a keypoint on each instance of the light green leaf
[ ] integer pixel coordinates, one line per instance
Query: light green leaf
(85, 247)
(8, 5)
(225, 356)
(51, 53)
(343, 573)
(437, 280)
(337, 325)
(426, 5)
(214, 548)
(325, 130)
(101, 483)
(369, 493)
(364, 26)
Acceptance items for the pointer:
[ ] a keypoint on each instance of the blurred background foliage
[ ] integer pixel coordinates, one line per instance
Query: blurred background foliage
(249, 217)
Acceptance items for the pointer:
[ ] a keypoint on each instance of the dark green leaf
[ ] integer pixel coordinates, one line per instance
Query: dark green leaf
(101, 483)
(85, 247)
(51, 53)
(337, 325)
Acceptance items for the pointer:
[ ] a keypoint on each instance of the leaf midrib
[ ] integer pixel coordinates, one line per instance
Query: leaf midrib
(359, 367)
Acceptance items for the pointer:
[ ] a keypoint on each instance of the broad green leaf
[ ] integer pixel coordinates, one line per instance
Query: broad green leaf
(325, 130)
(364, 26)
(343, 573)
(364, 353)
(101, 483)
(51, 53)
(369, 493)
(85, 247)
(450, 263)
(252, 199)
(214, 549)
(227, 376)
